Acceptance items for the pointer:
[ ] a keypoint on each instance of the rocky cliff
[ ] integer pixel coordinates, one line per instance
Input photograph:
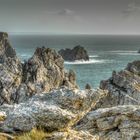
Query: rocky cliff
(116, 115)
(41, 73)
(40, 94)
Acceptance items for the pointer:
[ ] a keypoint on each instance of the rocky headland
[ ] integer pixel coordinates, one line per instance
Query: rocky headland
(40, 94)
(77, 53)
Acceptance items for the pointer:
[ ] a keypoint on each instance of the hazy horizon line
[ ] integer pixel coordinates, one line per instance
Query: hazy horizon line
(45, 33)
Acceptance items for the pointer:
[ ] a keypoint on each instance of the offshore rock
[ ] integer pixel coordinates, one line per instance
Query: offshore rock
(57, 110)
(77, 53)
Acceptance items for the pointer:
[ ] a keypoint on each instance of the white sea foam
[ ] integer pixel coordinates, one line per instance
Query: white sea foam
(93, 56)
(91, 61)
(123, 51)
(128, 53)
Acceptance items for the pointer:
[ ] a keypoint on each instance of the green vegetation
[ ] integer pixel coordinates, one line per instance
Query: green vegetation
(35, 134)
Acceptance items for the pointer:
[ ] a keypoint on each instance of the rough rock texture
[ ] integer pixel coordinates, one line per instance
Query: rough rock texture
(5, 48)
(115, 123)
(77, 53)
(71, 135)
(65, 112)
(45, 71)
(116, 115)
(41, 73)
(123, 87)
(10, 71)
(57, 110)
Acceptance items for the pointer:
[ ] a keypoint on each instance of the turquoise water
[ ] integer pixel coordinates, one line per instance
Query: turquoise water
(107, 53)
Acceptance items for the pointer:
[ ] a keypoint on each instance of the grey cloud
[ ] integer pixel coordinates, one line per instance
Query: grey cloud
(66, 12)
(132, 7)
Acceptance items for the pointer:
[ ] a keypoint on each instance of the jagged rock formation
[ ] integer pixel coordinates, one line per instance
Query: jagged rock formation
(6, 51)
(123, 87)
(45, 71)
(116, 115)
(77, 53)
(57, 110)
(115, 123)
(10, 71)
(41, 73)
(109, 113)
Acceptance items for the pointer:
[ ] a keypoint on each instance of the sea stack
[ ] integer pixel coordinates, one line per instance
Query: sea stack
(77, 53)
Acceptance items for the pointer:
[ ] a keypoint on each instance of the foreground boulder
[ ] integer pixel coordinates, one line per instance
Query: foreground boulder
(115, 123)
(41, 73)
(57, 110)
(77, 53)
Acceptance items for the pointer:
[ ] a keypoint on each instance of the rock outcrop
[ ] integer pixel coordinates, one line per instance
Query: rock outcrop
(116, 115)
(115, 123)
(123, 87)
(41, 73)
(10, 71)
(54, 111)
(40, 94)
(77, 53)
(45, 71)
(6, 51)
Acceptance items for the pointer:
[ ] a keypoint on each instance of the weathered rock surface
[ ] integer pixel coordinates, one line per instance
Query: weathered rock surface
(6, 51)
(10, 71)
(45, 71)
(57, 110)
(77, 53)
(41, 94)
(41, 73)
(115, 123)
(116, 115)
(123, 87)
(71, 135)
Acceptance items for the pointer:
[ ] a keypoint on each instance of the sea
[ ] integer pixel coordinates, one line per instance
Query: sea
(106, 52)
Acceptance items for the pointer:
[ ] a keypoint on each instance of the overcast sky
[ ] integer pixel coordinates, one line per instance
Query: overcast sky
(70, 16)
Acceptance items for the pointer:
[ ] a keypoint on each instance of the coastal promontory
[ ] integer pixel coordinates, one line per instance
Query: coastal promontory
(40, 100)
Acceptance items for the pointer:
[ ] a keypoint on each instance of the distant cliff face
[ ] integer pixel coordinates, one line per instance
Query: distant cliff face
(77, 53)
(41, 73)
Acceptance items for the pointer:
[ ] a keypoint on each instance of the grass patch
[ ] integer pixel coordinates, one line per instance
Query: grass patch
(35, 134)
(2, 118)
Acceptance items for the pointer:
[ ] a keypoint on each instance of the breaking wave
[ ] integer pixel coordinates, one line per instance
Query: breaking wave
(91, 61)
